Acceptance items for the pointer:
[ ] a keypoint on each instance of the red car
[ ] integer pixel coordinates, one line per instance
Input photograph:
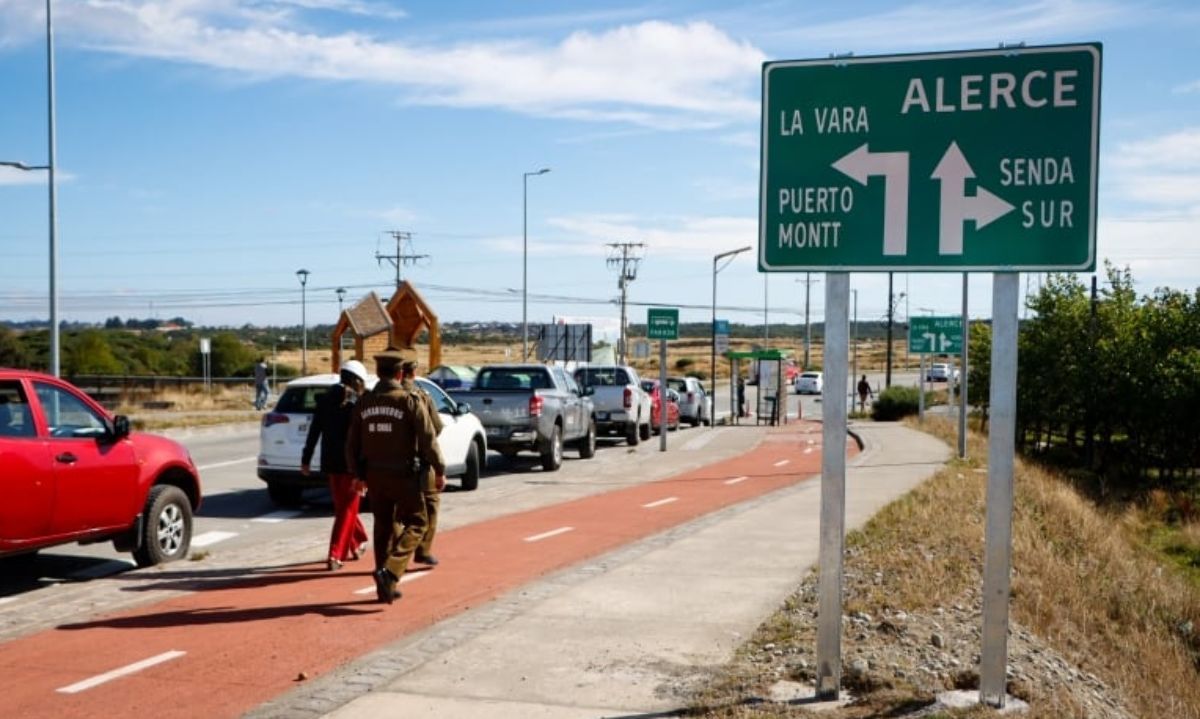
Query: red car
(651, 388)
(70, 471)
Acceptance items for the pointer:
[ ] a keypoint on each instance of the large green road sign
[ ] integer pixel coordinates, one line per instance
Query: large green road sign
(935, 335)
(982, 160)
(662, 324)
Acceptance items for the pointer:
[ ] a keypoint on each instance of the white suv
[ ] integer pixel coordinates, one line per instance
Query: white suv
(284, 429)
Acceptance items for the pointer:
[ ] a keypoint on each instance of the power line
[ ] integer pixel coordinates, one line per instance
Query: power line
(401, 258)
(625, 257)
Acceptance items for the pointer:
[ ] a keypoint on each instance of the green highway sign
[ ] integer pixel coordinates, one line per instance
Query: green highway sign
(662, 324)
(965, 161)
(935, 335)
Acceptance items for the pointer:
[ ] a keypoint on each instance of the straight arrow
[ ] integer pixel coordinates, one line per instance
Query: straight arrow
(984, 207)
(861, 164)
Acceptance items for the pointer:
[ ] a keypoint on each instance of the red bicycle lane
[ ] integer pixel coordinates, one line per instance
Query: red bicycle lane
(230, 645)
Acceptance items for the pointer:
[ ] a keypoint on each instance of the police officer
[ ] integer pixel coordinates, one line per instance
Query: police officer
(390, 436)
(430, 489)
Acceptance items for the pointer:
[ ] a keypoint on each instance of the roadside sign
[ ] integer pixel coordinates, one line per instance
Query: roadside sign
(641, 349)
(963, 161)
(722, 342)
(721, 327)
(205, 345)
(662, 324)
(935, 335)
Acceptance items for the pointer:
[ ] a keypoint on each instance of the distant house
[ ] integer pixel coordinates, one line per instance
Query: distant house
(454, 376)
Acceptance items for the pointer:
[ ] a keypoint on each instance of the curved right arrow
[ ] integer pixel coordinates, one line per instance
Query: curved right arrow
(984, 208)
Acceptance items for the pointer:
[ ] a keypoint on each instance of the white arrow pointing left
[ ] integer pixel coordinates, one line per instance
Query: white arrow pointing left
(860, 164)
(984, 208)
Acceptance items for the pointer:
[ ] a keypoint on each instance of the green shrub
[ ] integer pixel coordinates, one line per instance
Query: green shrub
(896, 402)
(683, 363)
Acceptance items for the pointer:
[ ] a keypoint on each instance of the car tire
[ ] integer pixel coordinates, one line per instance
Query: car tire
(470, 478)
(167, 528)
(552, 457)
(285, 495)
(644, 431)
(632, 435)
(587, 445)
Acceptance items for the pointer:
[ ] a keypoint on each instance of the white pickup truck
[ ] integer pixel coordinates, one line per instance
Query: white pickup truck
(621, 405)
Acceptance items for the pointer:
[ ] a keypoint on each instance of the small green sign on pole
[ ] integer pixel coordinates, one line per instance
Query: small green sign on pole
(935, 335)
(662, 324)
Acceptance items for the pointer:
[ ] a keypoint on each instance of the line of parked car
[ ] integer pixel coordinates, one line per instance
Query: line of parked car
(508, 408)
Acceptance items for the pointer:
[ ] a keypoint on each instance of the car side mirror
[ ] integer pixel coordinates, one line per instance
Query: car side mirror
(464, 408)
(120, 427)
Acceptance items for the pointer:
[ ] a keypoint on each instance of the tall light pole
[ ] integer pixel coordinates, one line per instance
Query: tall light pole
(55, 364)
(303, 275)
(712, 380)
(525, 260)
(854, 352)
(807, 326)
(341, 292)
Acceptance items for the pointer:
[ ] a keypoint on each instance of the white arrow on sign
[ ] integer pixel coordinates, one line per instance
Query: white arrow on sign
(861, 164)
(984, 208)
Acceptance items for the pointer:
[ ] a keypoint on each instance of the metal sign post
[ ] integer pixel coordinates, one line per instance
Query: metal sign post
(662, 324)
(1002, 431)
(662, 395)
(833, 486)
(962, 377)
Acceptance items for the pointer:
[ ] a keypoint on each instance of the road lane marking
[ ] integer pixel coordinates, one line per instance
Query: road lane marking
(277, 516)
(207, 539)
(230, 463)
(808, 450)
(660, 502)
(118, 673)
(782, 462)
(408, 577)
(551, 533)
(735, 480)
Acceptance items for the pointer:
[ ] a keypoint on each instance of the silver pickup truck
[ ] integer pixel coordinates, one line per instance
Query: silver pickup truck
(532, 407)
(621, 405)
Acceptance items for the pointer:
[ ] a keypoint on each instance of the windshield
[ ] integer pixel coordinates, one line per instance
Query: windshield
(601, 376)
(512, 378)
(301, 399)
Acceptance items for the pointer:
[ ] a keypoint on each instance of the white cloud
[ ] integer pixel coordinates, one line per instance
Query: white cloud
(1187, 87)
(1161, 172)
(1178, 150)
(653, 73)
(677, 236)
(13, 176)
(397, 215)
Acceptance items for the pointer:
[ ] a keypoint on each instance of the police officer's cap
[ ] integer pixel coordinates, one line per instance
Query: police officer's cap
(395, 356)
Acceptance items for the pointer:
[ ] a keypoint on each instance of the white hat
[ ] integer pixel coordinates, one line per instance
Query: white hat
(355, 368)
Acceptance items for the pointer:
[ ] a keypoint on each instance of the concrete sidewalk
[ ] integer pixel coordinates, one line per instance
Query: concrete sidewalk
(636, 630)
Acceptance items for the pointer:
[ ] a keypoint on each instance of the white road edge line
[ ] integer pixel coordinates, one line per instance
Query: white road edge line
(277, 516)
(808, 450)
(551, 533)
(230, 463)
(735, 480)
(118, 673)
(207, 539)
(408, 577)
(782, 462)
(660, 502)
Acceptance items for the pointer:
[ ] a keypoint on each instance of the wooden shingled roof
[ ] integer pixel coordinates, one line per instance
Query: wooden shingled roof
(369, 317)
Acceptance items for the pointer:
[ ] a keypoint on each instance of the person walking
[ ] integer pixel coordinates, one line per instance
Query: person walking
(330, 422)
(261, 391)
(864, 391)
(390, 442)
(429, 489)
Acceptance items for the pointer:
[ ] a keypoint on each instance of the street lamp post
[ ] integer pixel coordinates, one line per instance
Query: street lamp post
(712, 380)
(303, 275)
(341, 292)
(854, 353)
(55, 364)
(525, 260)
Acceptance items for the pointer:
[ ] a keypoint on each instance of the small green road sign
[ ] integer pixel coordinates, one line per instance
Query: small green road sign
(662, 324)
(965, 161)
(935, 335)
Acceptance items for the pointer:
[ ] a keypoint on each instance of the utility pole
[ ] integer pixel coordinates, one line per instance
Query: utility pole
(887, 382)
(401, 258)
(624, 257)
(808, 282)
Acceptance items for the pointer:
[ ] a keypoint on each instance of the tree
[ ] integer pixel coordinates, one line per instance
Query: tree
(12, 352)
(89, 353)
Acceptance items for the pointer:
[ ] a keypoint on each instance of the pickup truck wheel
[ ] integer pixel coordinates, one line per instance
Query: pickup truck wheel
(167, 530)
(587, 445)
(552, 457)
(644, 431)
(285, 495)
(632, 435)
(470, 479)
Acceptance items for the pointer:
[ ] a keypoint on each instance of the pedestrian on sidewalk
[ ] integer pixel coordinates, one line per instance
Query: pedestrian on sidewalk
(330, 423)
(741, 396)
(430, 490)
(391, 436)
(864, 391)
(261, 391)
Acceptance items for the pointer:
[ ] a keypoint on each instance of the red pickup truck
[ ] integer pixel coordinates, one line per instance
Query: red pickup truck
(70, 471)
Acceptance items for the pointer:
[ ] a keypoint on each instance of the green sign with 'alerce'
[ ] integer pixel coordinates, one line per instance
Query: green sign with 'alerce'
(966, 161)
(935, 335)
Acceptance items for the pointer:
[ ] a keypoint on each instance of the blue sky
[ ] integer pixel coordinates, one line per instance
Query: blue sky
(210, 148)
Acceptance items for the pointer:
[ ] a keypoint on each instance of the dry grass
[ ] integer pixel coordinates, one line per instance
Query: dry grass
(1084, 585)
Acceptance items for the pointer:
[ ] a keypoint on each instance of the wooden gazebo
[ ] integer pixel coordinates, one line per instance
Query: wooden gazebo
(409, 314)
(369, 323)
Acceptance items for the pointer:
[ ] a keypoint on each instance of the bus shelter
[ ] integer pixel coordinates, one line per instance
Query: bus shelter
(767, 367)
